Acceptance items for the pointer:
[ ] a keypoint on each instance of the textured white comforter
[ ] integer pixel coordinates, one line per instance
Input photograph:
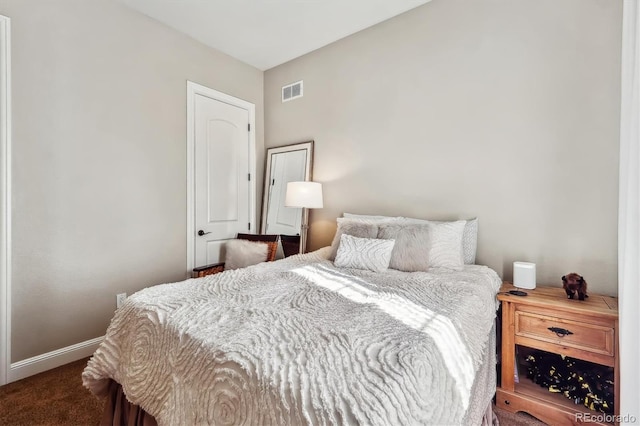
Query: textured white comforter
(300, 341)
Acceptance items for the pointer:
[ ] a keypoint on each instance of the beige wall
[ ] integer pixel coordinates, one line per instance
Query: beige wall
(99, 160)
(507, 110)
(503, 109)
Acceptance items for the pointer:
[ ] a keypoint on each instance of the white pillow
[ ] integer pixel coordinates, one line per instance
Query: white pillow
(470, 241)
(469, 237)
(364, 253)
(371, 218)
(356, 228)
(242, 253)
(445, 248)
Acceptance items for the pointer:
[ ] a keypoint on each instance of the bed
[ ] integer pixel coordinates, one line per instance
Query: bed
(304, 341)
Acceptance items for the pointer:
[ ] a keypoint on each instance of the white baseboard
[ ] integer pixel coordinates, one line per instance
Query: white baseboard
(38, 364)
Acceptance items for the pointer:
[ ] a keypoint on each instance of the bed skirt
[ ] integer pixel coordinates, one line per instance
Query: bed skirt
(119, 411)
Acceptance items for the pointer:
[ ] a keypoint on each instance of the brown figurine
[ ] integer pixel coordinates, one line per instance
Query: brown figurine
(574, 283)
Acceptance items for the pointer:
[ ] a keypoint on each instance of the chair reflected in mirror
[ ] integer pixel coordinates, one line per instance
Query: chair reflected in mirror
(290, 244)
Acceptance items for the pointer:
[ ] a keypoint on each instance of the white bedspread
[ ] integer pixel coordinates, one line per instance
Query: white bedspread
(300, 341)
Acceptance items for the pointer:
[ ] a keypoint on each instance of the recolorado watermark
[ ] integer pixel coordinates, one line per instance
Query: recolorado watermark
(604, 418)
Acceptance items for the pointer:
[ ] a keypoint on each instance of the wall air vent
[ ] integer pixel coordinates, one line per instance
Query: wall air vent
(292, 91)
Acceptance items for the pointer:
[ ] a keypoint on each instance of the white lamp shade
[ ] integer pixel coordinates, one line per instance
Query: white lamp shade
(304, 194)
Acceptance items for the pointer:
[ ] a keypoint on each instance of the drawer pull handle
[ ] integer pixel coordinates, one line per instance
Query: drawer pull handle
(560, 332)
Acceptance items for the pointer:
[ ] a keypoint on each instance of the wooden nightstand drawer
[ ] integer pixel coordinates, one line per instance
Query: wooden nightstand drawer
(565, 332)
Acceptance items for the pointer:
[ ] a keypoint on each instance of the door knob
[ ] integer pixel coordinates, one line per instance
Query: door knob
(201, 233)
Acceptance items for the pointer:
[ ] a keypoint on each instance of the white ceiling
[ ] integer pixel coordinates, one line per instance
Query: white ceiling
(267, 33)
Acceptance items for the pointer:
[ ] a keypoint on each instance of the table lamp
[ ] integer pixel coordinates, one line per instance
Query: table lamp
(305, 195)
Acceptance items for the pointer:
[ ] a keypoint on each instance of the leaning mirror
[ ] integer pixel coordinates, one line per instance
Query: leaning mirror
(288, 163)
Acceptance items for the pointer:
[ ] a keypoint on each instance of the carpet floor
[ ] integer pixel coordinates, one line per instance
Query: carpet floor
(57, 398)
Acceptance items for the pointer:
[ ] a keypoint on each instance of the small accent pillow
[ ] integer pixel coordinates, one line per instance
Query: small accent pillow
(243, 253)
(445, 250)
(364, 253)
(351, 227)
(411, 250)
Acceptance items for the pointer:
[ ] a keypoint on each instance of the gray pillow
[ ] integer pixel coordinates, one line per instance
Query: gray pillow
(354, 228)
(411, 250)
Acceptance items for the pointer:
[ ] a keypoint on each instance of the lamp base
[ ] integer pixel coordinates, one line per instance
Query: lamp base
(304, 228)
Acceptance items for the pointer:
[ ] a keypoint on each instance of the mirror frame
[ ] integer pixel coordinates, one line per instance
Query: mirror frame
(307, 146)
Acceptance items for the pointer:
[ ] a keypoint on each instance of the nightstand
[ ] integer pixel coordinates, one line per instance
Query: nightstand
(546, 320)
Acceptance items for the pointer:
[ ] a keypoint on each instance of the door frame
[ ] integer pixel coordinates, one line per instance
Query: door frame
(5, 199)
(194, 89)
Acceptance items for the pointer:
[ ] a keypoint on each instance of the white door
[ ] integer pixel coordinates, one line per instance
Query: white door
(223, 162)
(285, 167)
